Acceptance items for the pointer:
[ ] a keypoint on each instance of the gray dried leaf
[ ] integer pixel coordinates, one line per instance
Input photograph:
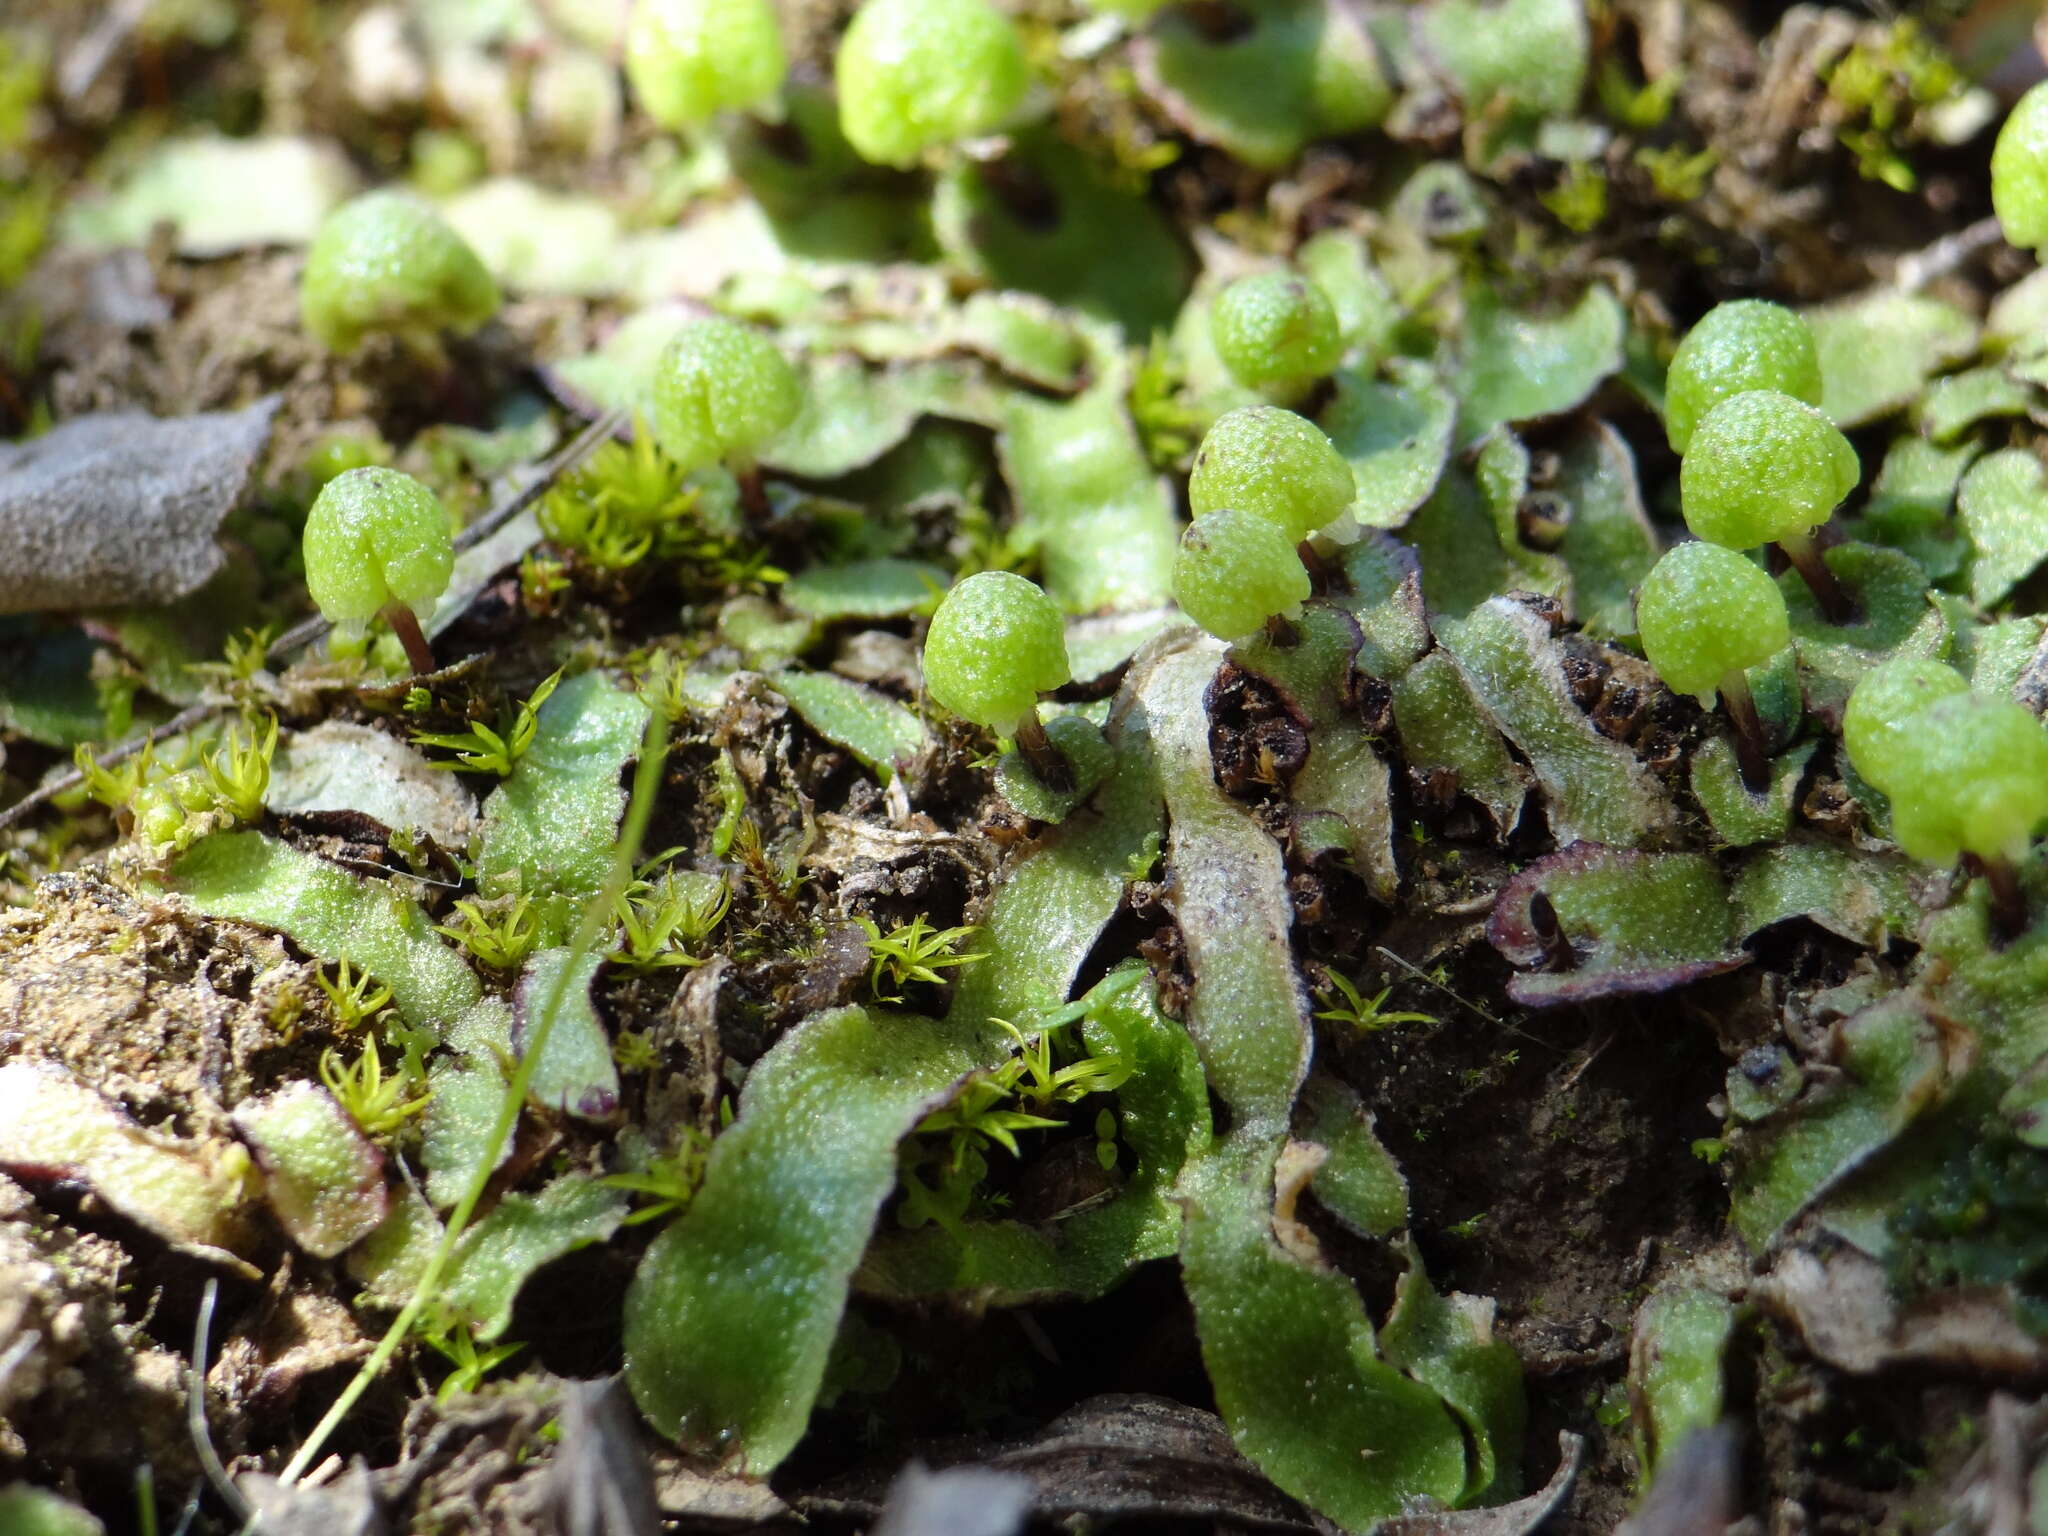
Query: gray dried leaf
(341, 766)
(1698, 1488)
(120, 508)
(1842, 1305)
(1115, 1456)
(960, 1501)
(713, 1499)
(1993, 1491)
(1518, 1518)
(599, 1481)
(296, 1334)
(345, 1507)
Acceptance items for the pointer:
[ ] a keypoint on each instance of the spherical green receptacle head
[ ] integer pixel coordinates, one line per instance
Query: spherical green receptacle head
(1235, 570)
(996, 643)
(691, 59)
(917, 74)
(1704, 612)
(1881, 708)
(1972, 777)
(376, 537)
(721, 394)
(1741, 345)
(1275, 329)
(388, 262)
(1763, 467)
(2019, 172)
(1272, 463)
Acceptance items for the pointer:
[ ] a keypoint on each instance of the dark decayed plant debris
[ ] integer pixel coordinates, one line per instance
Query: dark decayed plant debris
(633, 897)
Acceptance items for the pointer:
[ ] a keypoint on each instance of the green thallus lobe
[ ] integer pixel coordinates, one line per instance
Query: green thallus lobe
(996, 643)
(1764, 468)
(379, 542)
(1706, 615)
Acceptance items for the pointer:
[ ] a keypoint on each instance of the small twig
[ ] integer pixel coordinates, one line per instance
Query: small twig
(195, 1409)
(2006, 1456)
(372, 867)
(184, 720)
(1917, 269)
(580, 448)
(1419, 974)
(189, 1514)
(89, 56)
(12, 1357)
(1571, 1078)
(304, 633)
